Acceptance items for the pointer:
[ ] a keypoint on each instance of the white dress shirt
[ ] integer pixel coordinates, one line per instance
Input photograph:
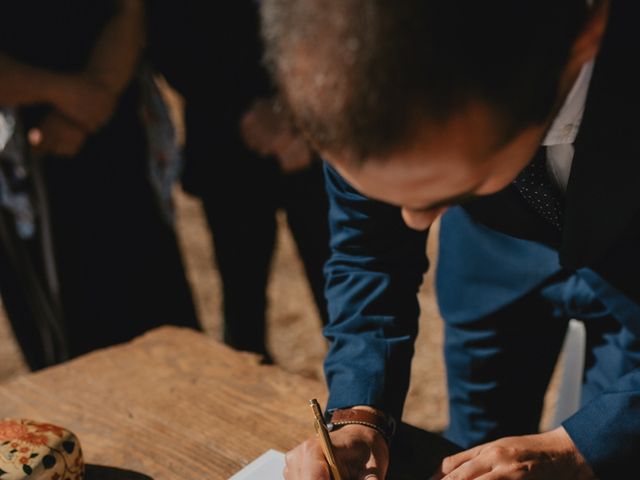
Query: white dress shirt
(564, 129)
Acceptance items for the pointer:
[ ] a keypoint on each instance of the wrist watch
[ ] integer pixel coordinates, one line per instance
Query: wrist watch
(340, 417)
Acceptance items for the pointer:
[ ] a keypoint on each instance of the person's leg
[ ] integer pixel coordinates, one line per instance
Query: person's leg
(498, 370)
(238, 191)
(18, 282)
(119, 265)
(244, 239)
(306, 204)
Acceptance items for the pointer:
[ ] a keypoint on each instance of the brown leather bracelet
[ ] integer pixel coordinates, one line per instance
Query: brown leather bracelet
(352, 416)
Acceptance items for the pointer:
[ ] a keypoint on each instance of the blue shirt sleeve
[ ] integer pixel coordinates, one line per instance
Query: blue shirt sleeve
(372, 279)
(606, 429)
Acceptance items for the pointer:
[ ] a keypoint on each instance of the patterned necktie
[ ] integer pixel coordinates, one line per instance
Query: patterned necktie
(537, 189)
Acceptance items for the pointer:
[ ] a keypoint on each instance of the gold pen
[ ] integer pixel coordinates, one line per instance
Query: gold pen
(325, 440)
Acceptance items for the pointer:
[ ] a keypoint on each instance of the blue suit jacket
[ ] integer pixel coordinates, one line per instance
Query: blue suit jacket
(377, 263)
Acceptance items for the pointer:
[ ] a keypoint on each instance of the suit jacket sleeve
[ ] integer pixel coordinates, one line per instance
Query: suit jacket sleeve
(373, 276)
(606, 430)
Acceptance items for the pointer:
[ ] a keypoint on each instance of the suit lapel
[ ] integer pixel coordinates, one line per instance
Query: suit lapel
(603, 193)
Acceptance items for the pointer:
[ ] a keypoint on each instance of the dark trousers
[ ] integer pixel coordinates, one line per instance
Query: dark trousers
(243, 227)
(119, 266)
(499, 365)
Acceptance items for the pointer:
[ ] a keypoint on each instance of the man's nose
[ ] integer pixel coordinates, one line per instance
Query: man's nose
(421, 219)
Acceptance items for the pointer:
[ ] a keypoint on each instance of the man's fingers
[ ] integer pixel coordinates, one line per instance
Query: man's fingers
(485, 476)
(449, 464)
(368, 460)
(473, 469)
(292, 466)
(306, 462)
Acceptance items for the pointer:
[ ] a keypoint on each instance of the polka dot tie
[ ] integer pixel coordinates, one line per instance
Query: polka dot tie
(537, 189)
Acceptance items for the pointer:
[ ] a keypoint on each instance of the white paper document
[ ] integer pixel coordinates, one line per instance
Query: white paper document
(268, 466)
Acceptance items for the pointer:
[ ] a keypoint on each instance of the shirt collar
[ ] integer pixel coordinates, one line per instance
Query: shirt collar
(565, 126)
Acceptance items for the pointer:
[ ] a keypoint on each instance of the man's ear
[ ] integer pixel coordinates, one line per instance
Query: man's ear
(587, 43)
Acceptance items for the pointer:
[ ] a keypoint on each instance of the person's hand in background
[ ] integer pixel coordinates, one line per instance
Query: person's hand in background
(85, 101)
(88, 98)
(57, 135)
(361, 452)
(267, 130)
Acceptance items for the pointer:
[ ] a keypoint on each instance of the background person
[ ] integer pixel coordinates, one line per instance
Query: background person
(242, 158)
(70, 69)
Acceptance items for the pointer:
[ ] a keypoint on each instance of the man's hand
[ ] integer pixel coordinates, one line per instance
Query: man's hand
(546, 456)
(84, 100)
(267, 130)
(361, 453)
(57, 135)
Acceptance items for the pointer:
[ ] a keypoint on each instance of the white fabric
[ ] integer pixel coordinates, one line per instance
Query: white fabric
(564, 129)
(571, 370)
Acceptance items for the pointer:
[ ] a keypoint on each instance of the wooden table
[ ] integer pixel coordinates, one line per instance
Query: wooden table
(176, 404)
